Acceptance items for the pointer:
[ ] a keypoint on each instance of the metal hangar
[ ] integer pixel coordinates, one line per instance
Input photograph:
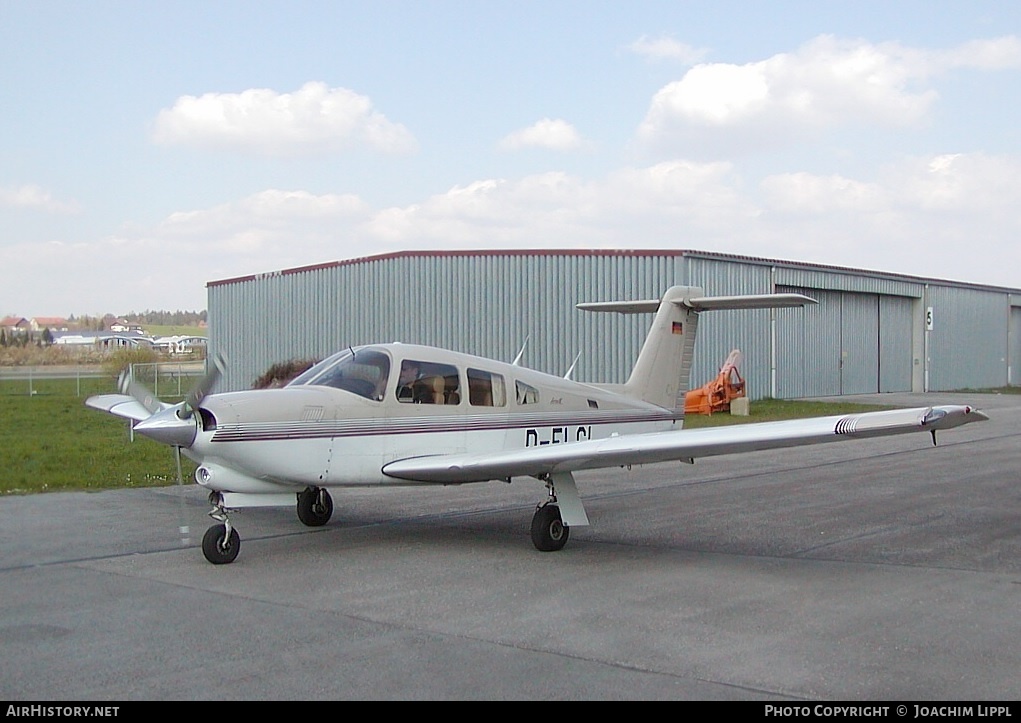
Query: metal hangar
(870, 332)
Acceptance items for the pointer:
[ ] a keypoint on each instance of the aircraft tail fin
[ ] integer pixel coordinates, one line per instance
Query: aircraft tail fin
(661, 374)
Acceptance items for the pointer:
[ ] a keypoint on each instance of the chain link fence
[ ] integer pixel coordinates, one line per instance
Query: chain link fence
(164, 379)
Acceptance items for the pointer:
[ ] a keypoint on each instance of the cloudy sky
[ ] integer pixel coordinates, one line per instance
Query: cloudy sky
(147, 148)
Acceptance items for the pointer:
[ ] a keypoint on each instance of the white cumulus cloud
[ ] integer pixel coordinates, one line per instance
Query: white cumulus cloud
(994, 54)
(269, 223)
(973, 184)
(949, 215)
(553, 134)
(826, 83)
(808, 193)
(314, 118)
(666, 48)
(33, 197)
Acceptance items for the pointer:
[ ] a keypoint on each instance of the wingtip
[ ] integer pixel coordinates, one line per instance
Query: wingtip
(979, 415)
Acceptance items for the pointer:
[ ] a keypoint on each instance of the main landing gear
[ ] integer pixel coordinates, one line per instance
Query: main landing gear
(551, 524)
(550, 528)
(549, 533)
(221, 543)
(315, 506)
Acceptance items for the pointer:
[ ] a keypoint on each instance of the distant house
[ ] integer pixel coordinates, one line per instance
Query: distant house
(15, 323)
(53, 323)
(124, 327)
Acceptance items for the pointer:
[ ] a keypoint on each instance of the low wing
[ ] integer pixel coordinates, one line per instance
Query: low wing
(137, 403)
(121, 405)
(676, 445)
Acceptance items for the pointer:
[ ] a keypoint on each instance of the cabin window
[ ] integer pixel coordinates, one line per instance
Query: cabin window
(363, 372)
(526, 393)
(486, 389)
(424, 382)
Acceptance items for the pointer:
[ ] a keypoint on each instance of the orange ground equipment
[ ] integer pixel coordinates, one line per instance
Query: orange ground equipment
(717, 394)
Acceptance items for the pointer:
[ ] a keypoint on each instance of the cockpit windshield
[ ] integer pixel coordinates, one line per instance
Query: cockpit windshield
(363, 372)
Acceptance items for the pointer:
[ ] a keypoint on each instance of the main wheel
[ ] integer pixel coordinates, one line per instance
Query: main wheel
(315, 506)
(218, 547)
(549, 533)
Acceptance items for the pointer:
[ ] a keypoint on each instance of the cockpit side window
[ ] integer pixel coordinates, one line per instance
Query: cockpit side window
(526, 393)
(422, 382)
(363, 372)
(314, 371)
(486, 389)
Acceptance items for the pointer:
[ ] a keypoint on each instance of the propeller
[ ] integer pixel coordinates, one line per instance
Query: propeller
(174, 424)
(127, 384)
(203, 387)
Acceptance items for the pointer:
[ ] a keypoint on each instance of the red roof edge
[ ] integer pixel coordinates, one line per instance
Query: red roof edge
(467, 253)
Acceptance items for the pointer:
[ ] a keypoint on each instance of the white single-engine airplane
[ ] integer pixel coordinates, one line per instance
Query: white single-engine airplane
(401, 414)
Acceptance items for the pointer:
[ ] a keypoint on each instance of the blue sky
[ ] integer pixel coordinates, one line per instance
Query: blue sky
(147, 148)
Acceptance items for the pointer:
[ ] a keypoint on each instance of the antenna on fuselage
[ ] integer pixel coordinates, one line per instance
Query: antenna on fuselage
(573, 365)
(517, 359)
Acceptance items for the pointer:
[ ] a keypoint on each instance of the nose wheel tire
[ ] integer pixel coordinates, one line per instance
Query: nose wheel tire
(549, 533)
(219, 547)
(315, 506)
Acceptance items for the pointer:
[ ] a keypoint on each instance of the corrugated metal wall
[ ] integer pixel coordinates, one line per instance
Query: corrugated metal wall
(808, 346)
(485, 304)
(1014, 343)
(858, 340)
(865, 335)
(967, 345)
(896, 343)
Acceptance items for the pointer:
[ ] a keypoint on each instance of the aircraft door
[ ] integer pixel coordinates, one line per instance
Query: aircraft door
(358, 442)
(426, 410)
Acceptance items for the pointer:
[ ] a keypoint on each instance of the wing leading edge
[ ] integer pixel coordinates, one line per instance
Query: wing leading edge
(677, 445)
(121, 405)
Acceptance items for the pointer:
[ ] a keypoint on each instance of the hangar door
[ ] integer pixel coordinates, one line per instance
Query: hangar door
(848, 343)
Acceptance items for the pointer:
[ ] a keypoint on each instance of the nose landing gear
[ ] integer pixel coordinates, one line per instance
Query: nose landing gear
(221, 543)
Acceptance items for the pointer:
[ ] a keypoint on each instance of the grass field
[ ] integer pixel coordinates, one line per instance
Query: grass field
(50, 441)
(775, 410)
